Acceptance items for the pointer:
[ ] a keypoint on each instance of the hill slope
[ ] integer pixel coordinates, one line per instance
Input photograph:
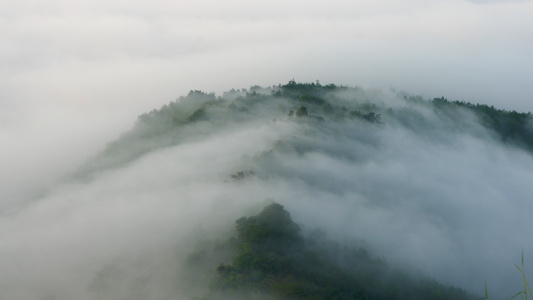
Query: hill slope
(408, 171)
(271, 259)
(433, 187)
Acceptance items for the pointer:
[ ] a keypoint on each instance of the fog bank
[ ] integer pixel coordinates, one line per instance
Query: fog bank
(435, 192)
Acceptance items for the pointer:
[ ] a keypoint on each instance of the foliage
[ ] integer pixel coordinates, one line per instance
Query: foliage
(512, 127)
(526, 290)
(242, 174)
(199, 114)
(274, 259)
(302, 112)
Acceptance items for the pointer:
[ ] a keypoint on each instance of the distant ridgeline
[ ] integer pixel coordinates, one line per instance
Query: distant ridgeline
(200, 114)
(271, 259)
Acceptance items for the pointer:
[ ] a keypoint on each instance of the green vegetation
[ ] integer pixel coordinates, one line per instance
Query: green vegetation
(272, 259)
(523, 293)
(512, 127)
(200, 114)
(527, 290)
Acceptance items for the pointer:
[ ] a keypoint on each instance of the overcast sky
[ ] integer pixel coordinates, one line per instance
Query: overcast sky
(75, 74)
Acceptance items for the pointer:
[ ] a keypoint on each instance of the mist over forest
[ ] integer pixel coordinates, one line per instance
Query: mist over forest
(269, 192)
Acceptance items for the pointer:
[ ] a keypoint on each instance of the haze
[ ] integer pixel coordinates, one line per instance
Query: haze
(75, 75)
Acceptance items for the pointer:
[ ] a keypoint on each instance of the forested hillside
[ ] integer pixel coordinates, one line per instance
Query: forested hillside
(272, 259)
(201, 114)
(391, 196)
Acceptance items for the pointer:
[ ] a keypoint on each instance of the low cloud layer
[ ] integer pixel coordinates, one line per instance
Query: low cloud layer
(74, 77)
(449, 200)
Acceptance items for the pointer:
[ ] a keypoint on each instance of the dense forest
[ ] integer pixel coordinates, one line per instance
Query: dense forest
(272, 259)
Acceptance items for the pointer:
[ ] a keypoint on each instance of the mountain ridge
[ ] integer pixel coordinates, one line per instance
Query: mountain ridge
(161, 127)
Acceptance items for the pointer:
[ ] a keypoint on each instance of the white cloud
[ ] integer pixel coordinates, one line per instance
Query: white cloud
(74, 74)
